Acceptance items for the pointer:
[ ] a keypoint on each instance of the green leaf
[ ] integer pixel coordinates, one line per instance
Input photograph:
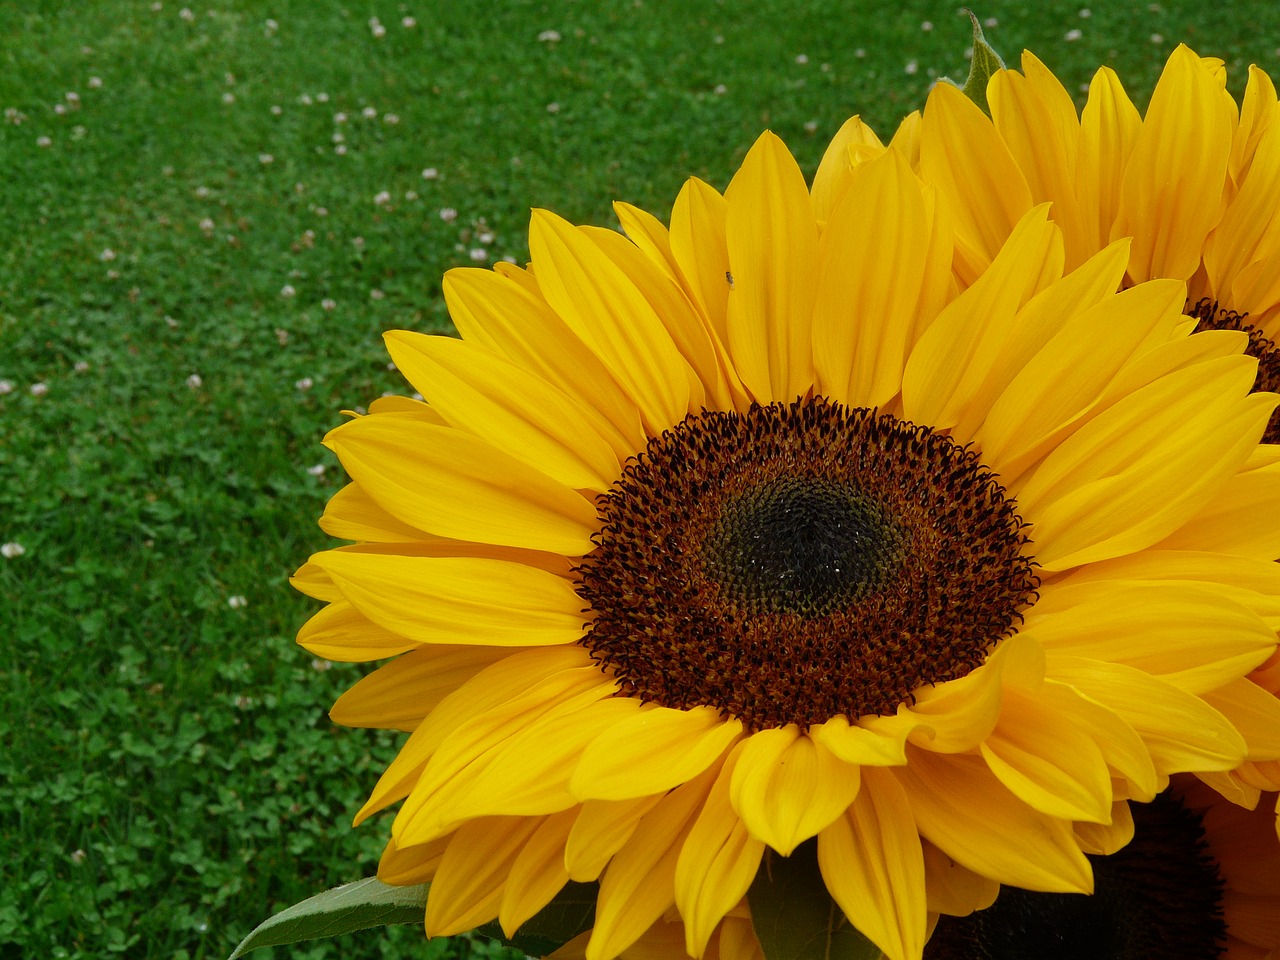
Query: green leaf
(985, 62)
(354, 906)
(573, 911)
(794, 916)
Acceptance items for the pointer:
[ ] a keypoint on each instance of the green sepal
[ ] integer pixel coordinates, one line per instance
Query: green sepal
(372, 903)
(982, 65)
(353, 906)
(794, 916)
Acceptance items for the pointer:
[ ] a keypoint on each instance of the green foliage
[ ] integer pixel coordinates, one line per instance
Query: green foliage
(170, 778)
(353, 906)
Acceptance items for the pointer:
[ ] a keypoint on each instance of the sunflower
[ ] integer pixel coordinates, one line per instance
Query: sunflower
(1195, 182)
(749, 530)
(1200, 881)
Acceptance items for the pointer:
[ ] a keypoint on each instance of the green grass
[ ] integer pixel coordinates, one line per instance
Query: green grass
(171, 777)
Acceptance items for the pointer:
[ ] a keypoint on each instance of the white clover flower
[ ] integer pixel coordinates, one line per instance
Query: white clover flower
(236, 602)
(12, 549)
(194, 381)
(305, 384)
(39, 389)
(448, 214)
(430, 173)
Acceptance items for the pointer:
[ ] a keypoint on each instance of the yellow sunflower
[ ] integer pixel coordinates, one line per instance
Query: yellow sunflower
(1195, 182)
(1200, 880)
(749, 530)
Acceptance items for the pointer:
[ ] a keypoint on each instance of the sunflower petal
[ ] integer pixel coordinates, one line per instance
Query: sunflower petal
(1181, 731)
(458, 599)
(1172, 185)
(654, 750)
(500, 402)
(787, 787)
(537, 873)
(872, 862)
(773, 255)
(961, 808)
(607, 313)
(467, 888)
(717, 862)
(455, 485)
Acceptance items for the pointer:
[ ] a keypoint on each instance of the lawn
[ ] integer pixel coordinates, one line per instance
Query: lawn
(211, 214)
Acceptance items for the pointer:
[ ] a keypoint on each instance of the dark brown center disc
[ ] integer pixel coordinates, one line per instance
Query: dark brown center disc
(799, 562)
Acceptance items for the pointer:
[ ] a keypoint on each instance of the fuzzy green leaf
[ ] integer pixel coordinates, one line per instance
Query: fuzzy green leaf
(573, 911)
(794, 916)
(985, 62)
(353, 906)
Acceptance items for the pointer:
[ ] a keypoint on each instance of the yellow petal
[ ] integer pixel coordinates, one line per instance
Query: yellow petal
(1159, 628)
(1172, 186)
(961, 808)
(509, 762)
(400, 694)
(606, 312)
(503, 316)
(701, 251)
(980, 182)
(957, 715)
(601, 830)
(315, 583)
(652, 751)
(1249, 229)
(786, 787)
(952, 889)
(717, 863)
(715, 384)
(945, 377)
(1243, 518)
(1104, 839)
(1109, 126)
(537, 873)
(340, 632)
(351, 514)
(773, 255)
(639, 884)
(1181, 731)
(873, 261)
(1257, 115)
(455, 485)
(1037, 121)
(834, 170)
(467, 888)
(872, 863)
(1136, 472)
(459, 599)
(505, 405)
(1080, 335)
(1254, 712)
(522, 681)
(868, 743)
(1040, 752)
(405, 866)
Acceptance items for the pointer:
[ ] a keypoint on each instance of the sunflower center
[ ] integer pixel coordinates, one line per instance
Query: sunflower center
(799, 562)
(1159, 898)
(1260, 347)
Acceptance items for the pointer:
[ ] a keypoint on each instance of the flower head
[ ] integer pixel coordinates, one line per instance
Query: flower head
(750, 531)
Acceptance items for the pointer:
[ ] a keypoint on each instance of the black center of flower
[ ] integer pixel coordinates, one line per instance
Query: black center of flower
(802, 545)
(1263, 349)
(799, 562)
(1159, 898)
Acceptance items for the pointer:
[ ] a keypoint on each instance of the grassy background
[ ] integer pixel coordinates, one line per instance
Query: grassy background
(205, 236)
